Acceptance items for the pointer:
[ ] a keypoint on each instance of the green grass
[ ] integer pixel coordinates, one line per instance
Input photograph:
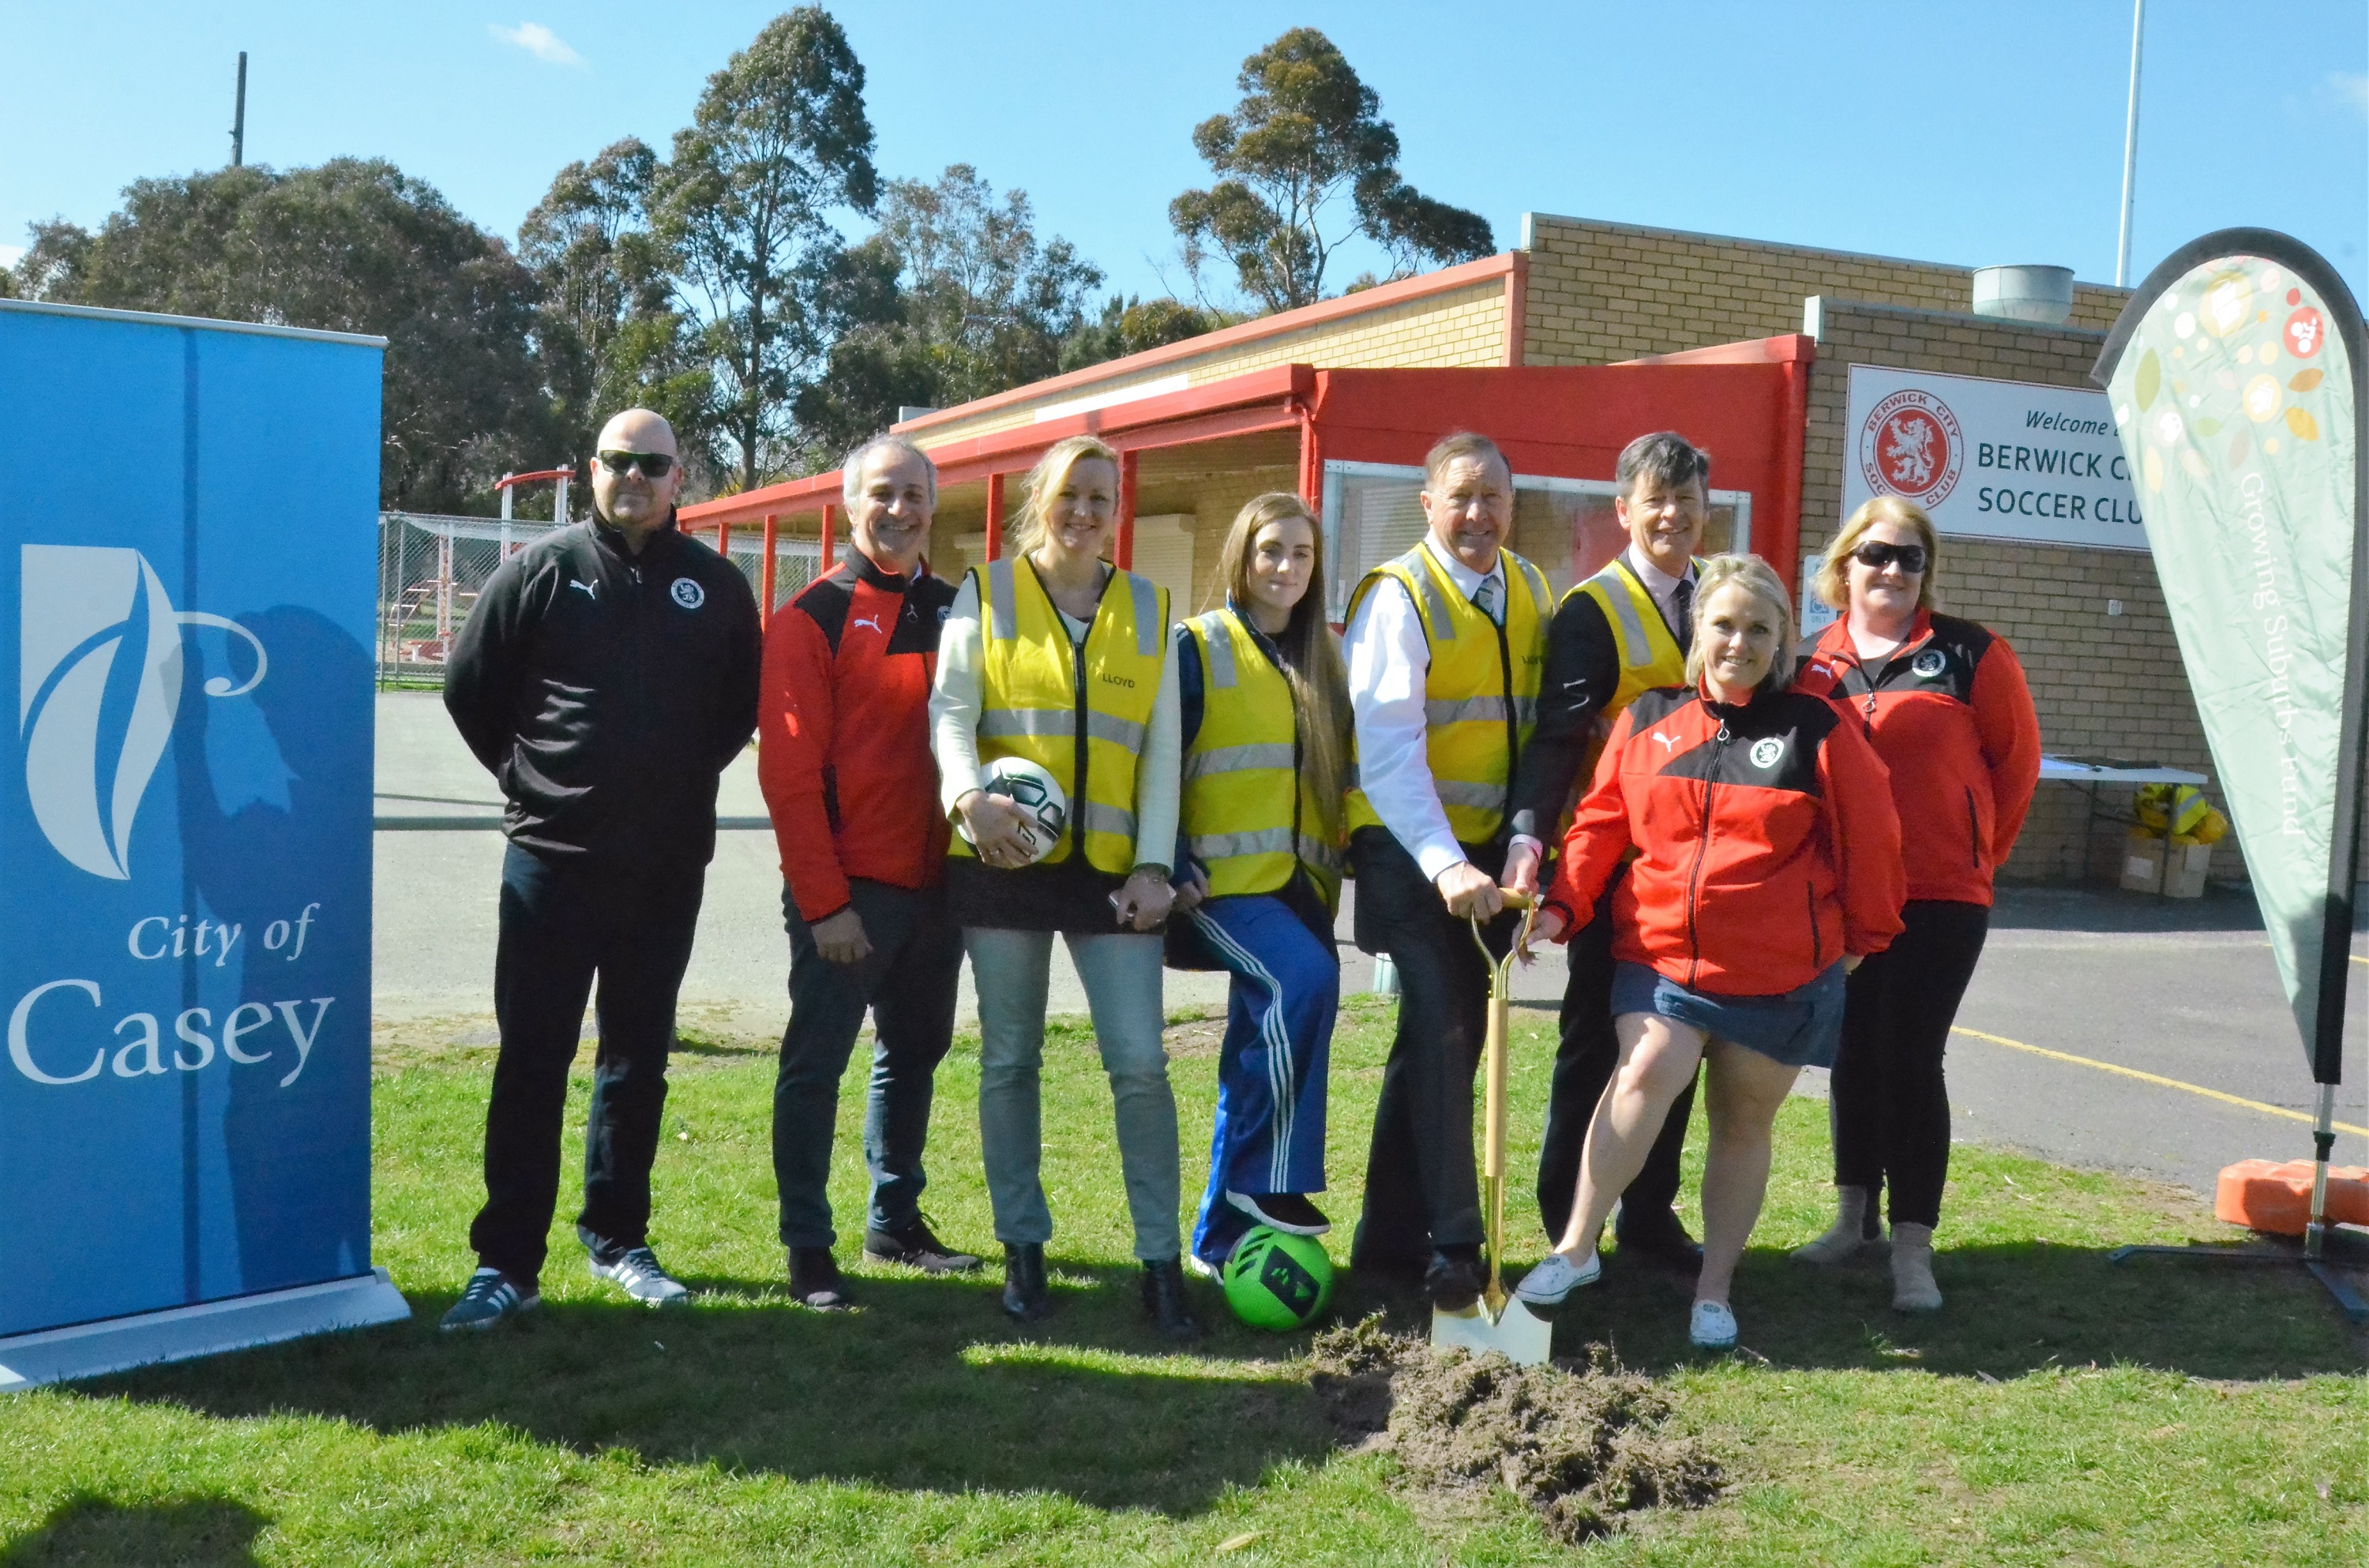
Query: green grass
(2059, 1410)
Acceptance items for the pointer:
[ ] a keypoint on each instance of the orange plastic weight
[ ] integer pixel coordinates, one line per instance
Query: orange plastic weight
(2262, 1195)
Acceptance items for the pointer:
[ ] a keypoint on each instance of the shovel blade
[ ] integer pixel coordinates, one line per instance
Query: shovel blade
(1519, 1336)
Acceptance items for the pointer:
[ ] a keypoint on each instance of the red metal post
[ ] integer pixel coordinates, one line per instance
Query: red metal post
(1782, 546)
(723, 538)
(765, 571)
(829, 539)
(1123, 548)
(1311, 461)
(994, 517)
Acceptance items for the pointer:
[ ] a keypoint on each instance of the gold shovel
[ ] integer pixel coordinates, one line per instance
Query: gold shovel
(1497, 1322)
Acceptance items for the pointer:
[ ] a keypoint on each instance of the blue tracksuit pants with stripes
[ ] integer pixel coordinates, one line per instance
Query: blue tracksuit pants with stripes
(1271, 1069)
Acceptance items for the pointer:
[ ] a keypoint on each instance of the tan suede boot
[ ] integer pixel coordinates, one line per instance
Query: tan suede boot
(1848, 1237)
(1913, 1289)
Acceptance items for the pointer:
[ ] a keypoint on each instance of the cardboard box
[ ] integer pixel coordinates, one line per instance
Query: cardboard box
(2174, 868)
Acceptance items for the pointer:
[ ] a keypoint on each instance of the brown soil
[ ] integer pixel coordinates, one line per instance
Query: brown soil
(1580, 1443)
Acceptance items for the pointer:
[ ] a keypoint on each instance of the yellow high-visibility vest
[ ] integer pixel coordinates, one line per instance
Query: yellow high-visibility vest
(1080, 711)
(1250, 814)
(1650, 656)
(1481, 692)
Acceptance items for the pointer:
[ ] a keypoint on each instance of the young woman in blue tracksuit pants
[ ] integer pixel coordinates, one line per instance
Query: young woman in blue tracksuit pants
(1266, 739)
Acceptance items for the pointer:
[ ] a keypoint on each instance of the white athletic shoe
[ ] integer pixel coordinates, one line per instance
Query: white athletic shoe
(1711, 1326)
(1547, 1286)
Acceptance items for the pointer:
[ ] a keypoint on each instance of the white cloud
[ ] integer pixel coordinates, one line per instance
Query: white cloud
(2351, 87)
(538, 40)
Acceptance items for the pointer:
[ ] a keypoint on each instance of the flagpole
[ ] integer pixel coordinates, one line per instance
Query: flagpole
(2129, 149)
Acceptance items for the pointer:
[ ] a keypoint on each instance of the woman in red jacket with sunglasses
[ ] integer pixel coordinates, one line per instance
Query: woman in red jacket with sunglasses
(1944, 703)
(1767, 866)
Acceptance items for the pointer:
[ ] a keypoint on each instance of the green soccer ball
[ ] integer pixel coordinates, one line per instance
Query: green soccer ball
(1279, 1281)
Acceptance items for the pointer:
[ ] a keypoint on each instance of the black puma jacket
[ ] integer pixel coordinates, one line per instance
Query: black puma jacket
(606, 691)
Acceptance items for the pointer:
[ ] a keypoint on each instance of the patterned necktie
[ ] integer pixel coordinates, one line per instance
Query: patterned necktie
(1485, 596)
(1683, 602)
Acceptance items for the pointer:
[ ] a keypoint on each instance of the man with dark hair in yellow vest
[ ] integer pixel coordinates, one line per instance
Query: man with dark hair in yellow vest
(1446, 648)
(1624, 631)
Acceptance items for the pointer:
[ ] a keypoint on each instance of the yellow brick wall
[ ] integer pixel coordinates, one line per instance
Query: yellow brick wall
(1605, 291)
(1462, 328)
(2105, 685)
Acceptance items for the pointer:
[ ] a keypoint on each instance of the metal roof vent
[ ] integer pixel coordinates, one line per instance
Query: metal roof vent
(2040, 294)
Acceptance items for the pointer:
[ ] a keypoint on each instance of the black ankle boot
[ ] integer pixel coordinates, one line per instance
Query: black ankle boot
(1165, 1302)
(1026, 1297)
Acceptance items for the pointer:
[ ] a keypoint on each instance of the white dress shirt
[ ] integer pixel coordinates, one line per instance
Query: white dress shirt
(1389, 658)
(953, 723)
(1659, 583)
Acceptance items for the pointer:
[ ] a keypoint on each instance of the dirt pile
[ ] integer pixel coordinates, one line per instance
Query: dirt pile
(1580, 1444)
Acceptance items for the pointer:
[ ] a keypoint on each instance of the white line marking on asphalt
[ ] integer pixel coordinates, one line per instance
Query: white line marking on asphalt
(2151, 1078)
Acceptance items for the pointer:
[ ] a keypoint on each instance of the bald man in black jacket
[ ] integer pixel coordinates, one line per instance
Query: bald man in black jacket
(606, 676)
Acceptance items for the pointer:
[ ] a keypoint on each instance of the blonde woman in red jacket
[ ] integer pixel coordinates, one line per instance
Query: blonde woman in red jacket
(1767, 866)
(1944, 703)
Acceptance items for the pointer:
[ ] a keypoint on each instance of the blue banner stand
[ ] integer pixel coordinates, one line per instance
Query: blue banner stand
(186, 620)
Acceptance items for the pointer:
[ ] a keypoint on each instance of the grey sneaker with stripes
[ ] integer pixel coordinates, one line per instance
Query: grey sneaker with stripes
(636, 1268)
(489, 1297)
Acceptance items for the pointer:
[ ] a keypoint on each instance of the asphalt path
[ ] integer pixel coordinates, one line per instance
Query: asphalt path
(2181, 990)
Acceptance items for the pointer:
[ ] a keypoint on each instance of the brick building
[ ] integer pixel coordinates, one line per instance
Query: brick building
(1583, 325)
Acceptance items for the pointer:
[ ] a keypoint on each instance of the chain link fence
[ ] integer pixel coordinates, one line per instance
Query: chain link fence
(431, 568)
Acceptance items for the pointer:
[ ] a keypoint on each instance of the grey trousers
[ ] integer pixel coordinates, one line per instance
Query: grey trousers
(1122, 975)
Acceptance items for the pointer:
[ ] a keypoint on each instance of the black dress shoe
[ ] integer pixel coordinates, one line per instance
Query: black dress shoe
(917, 1246)
(815, 1280)
(1453, 1280)
(1027, 1298)
(1165, 1302)
(1661, 1237)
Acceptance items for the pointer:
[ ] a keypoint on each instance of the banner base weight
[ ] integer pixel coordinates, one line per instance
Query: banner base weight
(179, 1333)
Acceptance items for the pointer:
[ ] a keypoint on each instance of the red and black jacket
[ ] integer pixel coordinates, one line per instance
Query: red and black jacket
(843, 734)
(1950, 716)
(1768, 848)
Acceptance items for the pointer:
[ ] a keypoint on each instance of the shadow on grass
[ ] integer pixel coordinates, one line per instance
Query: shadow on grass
(927, 1387)
(195, 1532)
(2007, 1310)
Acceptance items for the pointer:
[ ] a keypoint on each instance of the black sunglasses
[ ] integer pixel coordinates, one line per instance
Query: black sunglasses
(656, 464)
(1875, 558)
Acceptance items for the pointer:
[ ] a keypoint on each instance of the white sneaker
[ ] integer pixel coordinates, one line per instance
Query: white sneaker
(1711, 1326)
(1196, 1263)
(1554, 1279)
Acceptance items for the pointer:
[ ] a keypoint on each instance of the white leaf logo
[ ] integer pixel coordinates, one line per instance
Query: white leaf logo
(100, 673)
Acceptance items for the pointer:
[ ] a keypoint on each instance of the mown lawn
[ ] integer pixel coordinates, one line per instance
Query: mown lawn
(2058, 1410)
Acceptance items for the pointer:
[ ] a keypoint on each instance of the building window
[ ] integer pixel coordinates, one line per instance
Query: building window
(1566, 527)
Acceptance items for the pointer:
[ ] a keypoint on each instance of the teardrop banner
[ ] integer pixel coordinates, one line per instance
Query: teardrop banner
(185, 822)
(2235, 378)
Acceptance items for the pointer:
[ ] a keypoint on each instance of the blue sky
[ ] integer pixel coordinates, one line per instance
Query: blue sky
(1961, 132)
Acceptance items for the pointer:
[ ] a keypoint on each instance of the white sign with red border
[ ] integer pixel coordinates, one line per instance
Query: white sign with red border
(1990, 459)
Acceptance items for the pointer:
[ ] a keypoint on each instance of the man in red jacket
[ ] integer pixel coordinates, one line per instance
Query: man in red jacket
(843, 756)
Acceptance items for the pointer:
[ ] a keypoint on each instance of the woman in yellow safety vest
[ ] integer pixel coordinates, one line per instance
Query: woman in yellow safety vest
(1265, 719)
(1054, 655)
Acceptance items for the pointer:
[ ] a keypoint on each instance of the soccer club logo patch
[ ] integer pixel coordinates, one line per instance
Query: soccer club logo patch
(1911, 447)
(1767, 752)
(688, 594)
(1927, 664)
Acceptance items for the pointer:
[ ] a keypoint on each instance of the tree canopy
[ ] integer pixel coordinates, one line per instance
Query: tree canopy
(1306, 134)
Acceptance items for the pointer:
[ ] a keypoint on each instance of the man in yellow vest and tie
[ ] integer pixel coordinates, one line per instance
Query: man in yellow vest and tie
(1446, 648)
(1623, 630)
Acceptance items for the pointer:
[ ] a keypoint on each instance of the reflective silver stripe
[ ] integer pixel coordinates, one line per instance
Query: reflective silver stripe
(1237, 758)
(1438, 710)
(1435, 606)
(1096, 818)
(1321, 855)
(1226, 846)
(1151, 626)
(1220, 641)
(1118, 731)
(1002, 724)
(1005, 620)
(1542, 595)
(1483, 797)
(1635, 651)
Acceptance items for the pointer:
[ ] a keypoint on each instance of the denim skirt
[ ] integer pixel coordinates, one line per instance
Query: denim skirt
(1803, 1027)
